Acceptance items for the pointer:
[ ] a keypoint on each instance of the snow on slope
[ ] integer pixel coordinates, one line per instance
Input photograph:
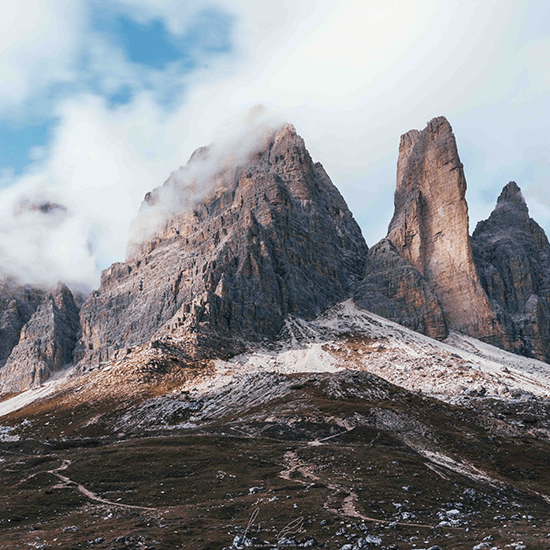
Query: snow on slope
(25, 398)
(346, 337)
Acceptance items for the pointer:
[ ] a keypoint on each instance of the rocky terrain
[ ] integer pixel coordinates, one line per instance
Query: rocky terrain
(17, 304)
(273, 238)
(512, 257)
(253, 375)
(394, 289)
(350, 429)
(46, 343)
(38, 332)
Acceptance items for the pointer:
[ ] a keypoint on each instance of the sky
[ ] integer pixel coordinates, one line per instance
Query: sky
(101, 100)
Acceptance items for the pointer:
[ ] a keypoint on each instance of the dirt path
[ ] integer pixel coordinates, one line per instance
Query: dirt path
(349, 509)
(69, 483)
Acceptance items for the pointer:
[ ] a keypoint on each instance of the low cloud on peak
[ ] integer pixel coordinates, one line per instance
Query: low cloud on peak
(98, 109)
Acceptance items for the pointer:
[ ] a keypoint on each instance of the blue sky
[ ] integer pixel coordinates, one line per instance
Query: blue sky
(144, 45)
(100, 101)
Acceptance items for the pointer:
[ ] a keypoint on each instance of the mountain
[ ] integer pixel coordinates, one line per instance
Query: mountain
(512, 257)
(239, 381)
(494, 285)
(273, 237)
(239, 241)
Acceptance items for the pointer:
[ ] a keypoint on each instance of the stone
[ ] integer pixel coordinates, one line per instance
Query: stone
(512, 256)
(17, 304)
(394, 289)
(42, 207)
(45, 345)
(263, 237)
(429, 228)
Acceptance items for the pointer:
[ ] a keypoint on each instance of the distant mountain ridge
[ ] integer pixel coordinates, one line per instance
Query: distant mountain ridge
(271, 238)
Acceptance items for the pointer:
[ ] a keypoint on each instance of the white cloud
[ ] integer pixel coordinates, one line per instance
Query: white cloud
(351, 75)
(37, 45)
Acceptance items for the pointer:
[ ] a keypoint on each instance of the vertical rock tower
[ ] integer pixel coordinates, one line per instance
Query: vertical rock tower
(512, 256)
(429, 228)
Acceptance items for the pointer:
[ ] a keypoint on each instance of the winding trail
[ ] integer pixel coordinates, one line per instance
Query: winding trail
(349, 508)
(69, 483)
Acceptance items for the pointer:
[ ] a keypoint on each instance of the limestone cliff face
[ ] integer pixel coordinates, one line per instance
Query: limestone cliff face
(393, 289)
(17, 304)
(429, 228)
(512, 256)
(45, 344)
(272, 238)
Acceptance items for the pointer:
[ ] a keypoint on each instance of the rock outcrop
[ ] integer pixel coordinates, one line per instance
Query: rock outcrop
(429, 228)
(17, 304)
(393, 289)
(512, 256)
(45, 345)
(238, 241)
(269, 236)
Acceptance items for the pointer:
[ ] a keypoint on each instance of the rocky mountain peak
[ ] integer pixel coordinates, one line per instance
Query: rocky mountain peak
(39, 206)
(429, 228)
(511, 194)
(512, 256)
(511, 207)
(510, 214)
(255, 237)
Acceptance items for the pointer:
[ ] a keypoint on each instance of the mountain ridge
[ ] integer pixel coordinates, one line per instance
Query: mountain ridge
(233, 243)
(233, 386)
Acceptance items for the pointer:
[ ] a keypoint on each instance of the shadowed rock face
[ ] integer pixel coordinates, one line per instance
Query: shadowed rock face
(45, 343)
(512, 256)
(393, 289)
(429, 228)
(273, 238)
(17, 304)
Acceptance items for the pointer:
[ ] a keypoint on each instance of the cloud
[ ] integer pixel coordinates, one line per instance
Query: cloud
(352, 76)
(37, 45)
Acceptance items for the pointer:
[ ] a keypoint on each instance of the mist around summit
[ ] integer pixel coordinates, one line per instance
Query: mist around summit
(199, 349)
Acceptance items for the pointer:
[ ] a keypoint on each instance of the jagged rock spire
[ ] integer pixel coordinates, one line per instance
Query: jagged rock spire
(429, 227)
(512, 256)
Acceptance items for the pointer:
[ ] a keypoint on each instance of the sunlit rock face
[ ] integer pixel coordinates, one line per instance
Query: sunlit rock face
(44, 343)
(512, 255)
(429, 228)
(268, 236)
